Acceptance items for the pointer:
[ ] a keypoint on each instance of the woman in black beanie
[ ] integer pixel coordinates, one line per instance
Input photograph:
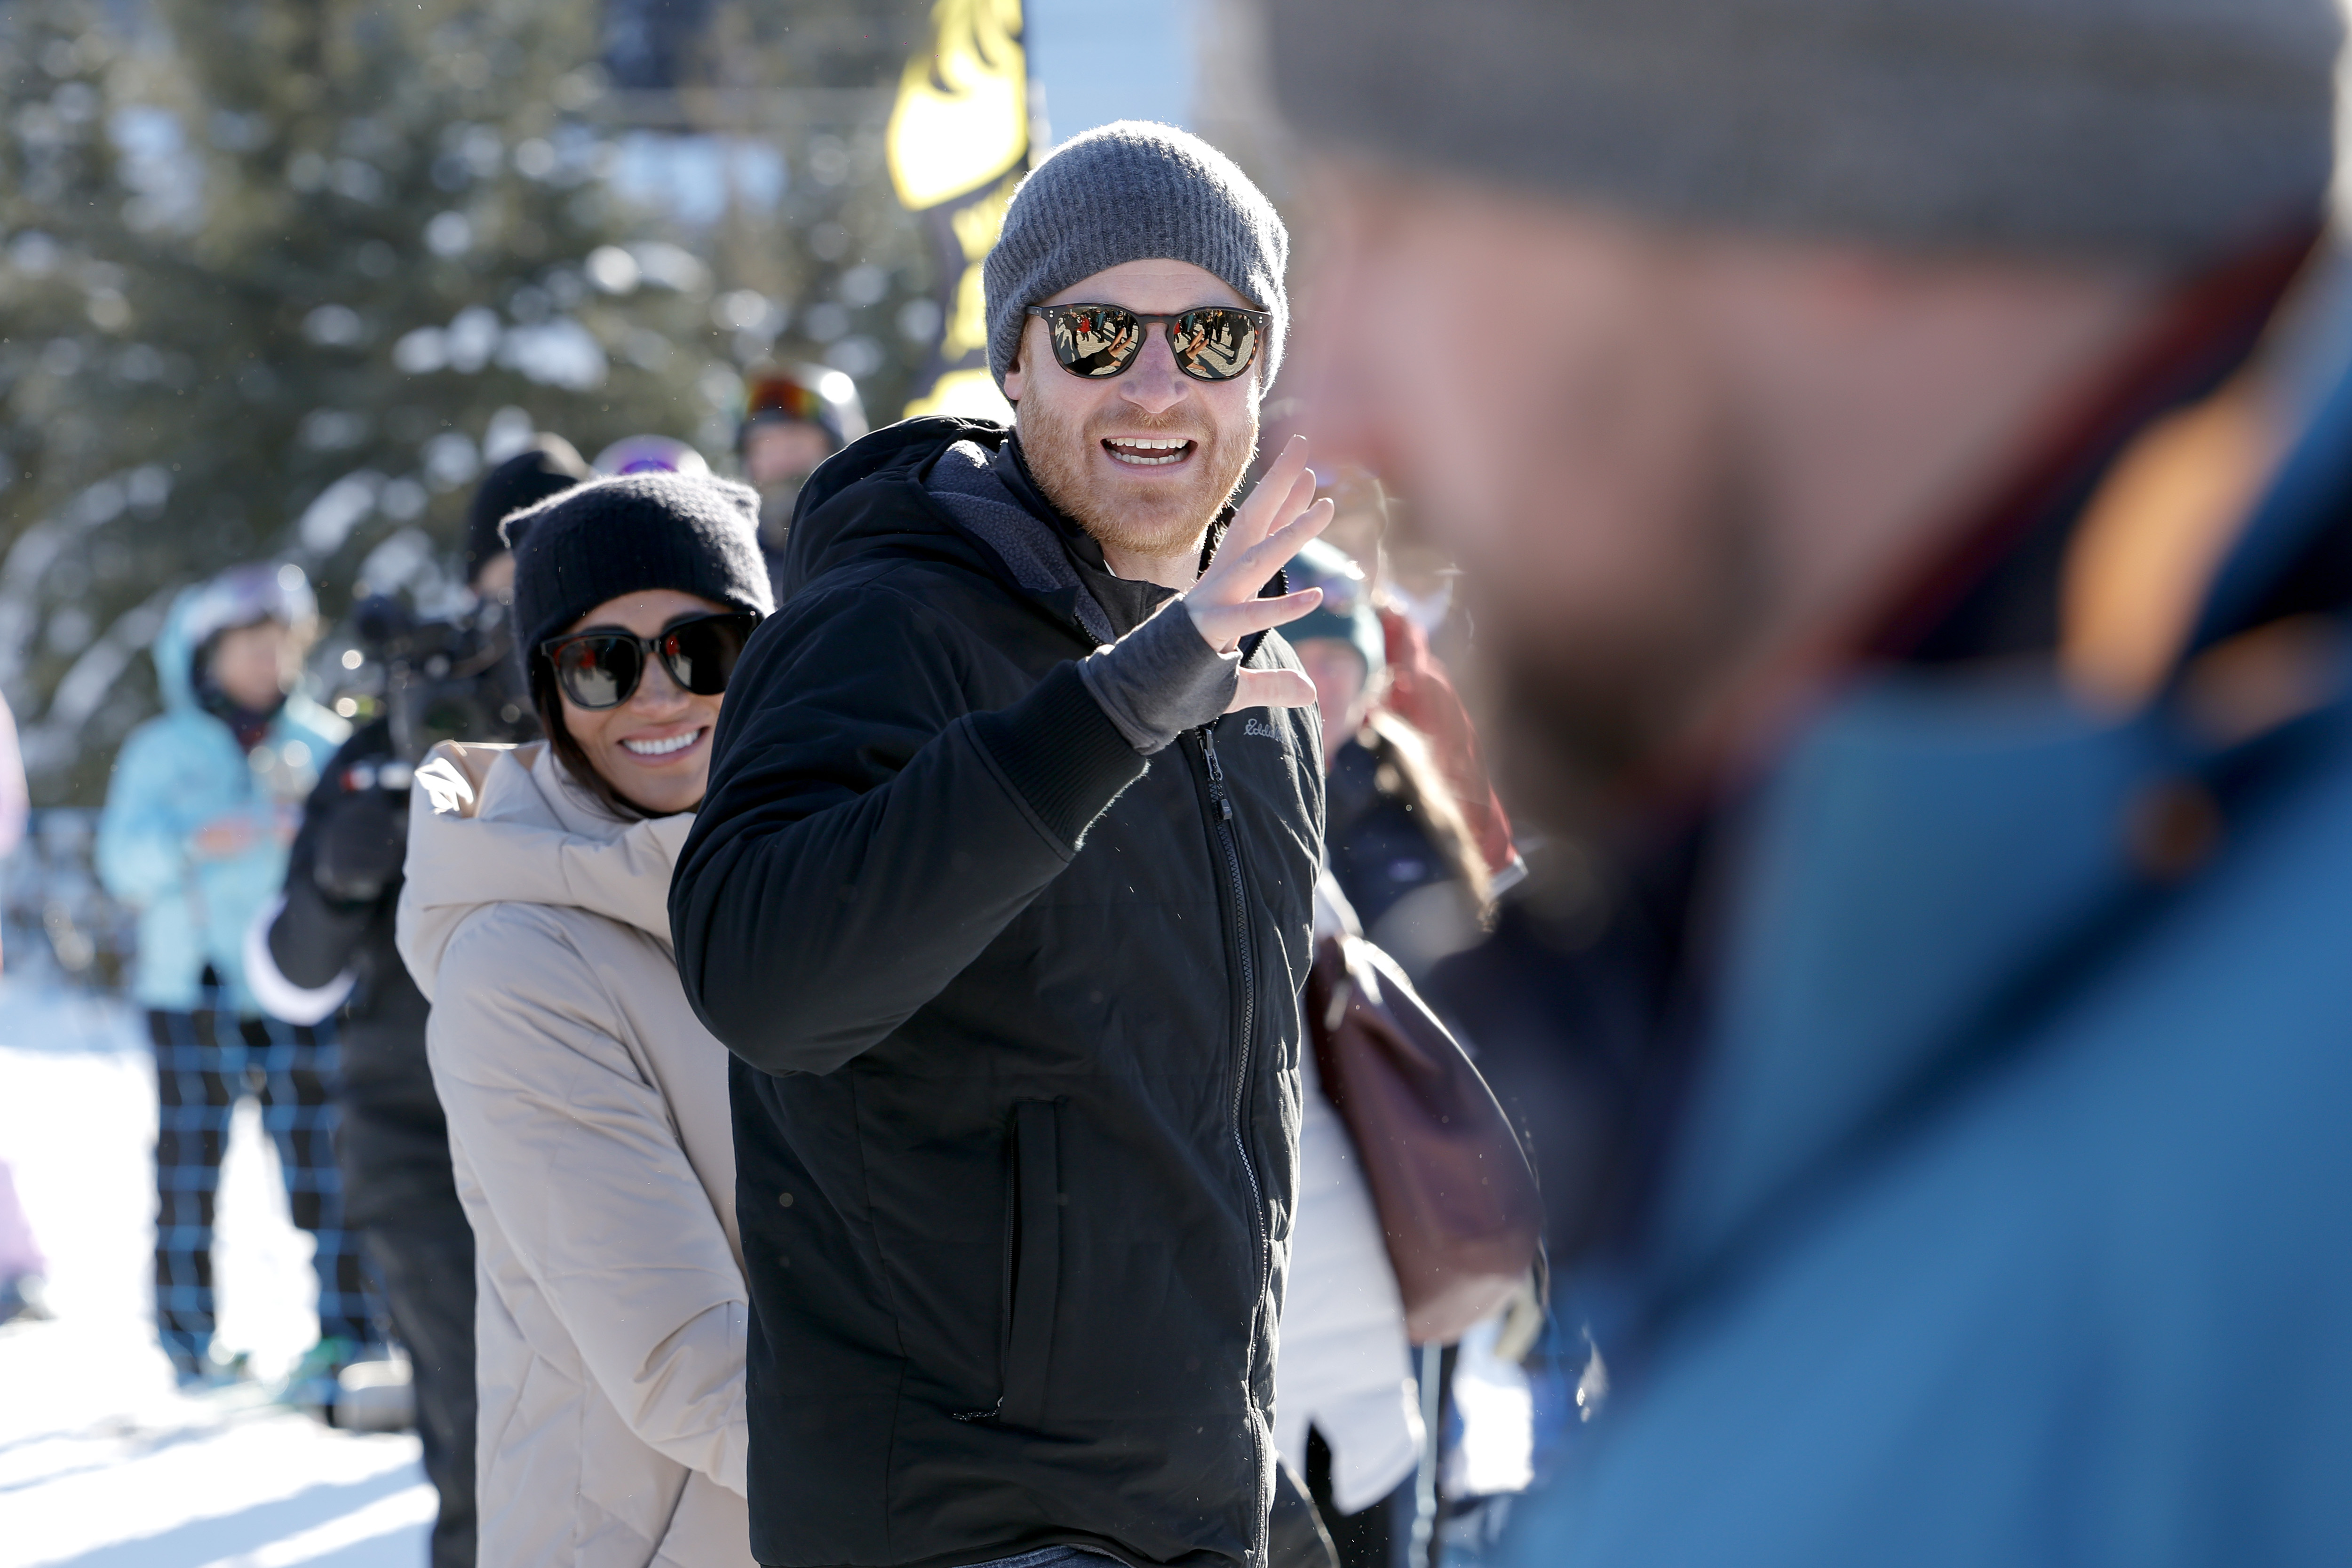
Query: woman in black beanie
(657, 556)
(587, 1106)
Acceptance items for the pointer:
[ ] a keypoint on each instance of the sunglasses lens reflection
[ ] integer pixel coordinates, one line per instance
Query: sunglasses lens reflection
(1096, 340)
(701, 655)
(598, 672)
(1216, 344)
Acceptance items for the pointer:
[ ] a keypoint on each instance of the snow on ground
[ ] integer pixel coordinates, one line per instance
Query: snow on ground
(103, 1464)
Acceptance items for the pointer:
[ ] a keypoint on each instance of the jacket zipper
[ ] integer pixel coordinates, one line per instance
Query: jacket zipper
(1221, 805)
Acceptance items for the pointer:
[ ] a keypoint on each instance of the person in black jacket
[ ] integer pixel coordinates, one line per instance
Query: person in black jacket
(1002, 898)
(329, 943)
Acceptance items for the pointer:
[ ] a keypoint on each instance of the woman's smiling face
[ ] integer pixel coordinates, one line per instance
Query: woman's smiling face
(653, 747)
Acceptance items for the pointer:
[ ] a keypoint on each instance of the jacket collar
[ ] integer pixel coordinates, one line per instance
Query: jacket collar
(494, 825)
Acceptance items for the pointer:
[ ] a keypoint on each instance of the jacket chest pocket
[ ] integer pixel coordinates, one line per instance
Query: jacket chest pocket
(1032, 1261)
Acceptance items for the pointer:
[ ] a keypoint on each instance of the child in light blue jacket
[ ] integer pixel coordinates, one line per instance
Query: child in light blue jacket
(202, 808)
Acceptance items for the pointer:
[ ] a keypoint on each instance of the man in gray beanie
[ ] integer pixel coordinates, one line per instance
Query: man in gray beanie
(1898, 453)
(1001, 897)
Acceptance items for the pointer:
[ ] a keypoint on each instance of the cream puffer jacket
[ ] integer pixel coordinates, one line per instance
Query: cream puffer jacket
(589, 1126)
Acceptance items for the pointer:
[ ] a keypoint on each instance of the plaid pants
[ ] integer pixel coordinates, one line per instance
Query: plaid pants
(204, 1062)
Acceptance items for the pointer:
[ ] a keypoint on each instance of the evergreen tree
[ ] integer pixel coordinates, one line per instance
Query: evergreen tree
(848, 275)
(274, 272)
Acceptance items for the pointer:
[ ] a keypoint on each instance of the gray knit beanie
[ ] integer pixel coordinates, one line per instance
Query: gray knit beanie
(2156, 131)
(1133, 191)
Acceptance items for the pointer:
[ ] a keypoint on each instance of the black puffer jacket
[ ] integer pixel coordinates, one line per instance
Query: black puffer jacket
(1016, 1020)
(392, 1144)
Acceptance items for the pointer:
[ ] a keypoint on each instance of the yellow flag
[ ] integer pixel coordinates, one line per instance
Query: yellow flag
(963, 115)
(958, 144)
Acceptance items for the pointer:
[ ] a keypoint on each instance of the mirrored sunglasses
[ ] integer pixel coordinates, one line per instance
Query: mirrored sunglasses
(1217, 342)
(601, 669)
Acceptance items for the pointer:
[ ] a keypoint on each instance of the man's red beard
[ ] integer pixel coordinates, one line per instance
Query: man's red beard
(1152, 519)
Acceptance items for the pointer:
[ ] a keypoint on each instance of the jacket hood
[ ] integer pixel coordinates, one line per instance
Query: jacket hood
(495, 824)
(871, 501)
(242, 595)
(830, 528)
(175, 655)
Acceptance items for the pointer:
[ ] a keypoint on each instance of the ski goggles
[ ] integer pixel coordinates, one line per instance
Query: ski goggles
(1217, 342)
(602, 669)
(782, 399)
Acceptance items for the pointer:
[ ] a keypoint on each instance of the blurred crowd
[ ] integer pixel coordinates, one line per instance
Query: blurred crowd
(1682, 910)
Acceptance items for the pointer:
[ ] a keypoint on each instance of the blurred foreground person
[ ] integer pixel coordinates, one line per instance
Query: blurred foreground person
(327, 947)
(1002, 900)
(1902, 456)
(194, 834)
(587, 1109)
(795, 418)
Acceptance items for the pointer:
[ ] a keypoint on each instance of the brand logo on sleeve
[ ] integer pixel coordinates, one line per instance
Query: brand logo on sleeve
(1257, 726)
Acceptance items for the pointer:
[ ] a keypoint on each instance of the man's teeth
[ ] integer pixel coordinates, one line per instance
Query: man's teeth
(1147, 454)
(664, 746)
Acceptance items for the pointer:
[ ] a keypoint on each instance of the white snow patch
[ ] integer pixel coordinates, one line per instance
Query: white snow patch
(101, 1458)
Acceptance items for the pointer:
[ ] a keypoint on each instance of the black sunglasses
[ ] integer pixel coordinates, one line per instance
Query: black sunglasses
(599, 669)
(1217, 342)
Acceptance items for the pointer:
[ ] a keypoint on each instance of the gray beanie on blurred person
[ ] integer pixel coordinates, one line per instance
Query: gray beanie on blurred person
(1134, 191)
(2162, 131)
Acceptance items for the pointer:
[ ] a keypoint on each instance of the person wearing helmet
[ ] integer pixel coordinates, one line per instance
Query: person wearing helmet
(795, 418)
(193, 836)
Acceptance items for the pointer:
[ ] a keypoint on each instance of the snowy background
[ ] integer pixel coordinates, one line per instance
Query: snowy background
(103, 1464)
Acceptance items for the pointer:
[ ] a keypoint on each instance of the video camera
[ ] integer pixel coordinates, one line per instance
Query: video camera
(446, 681)
(441, 680)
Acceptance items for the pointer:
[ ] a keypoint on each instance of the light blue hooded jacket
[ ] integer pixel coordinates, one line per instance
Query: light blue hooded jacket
(2013, 1225)
(178, 772)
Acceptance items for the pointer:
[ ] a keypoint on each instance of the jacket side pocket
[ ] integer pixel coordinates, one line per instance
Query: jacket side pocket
(1035, 1271)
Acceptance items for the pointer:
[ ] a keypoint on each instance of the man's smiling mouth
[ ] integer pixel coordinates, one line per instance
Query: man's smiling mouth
(1144, 452)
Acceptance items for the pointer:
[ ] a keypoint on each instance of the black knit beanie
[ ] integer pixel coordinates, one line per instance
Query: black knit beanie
(548, 466)
(610, 537)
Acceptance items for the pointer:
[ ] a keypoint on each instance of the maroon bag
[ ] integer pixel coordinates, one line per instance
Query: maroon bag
(1457, 1201)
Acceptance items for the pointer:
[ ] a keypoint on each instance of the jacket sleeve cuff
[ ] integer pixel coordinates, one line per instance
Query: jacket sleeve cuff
(1061, 752)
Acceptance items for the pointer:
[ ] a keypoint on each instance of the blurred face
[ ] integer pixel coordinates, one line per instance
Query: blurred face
(254, 666)
(783, 452)
(654, 748)
(1538, 385)
(1100, 449)
(1341, 690)
(494, 579)
(1679, 471)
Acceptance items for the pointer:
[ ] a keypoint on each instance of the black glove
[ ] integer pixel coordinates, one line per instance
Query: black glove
(1161, 680)
(362, 845)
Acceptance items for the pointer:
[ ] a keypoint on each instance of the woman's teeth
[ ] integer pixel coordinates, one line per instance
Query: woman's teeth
(664, 746)
(1145, 453)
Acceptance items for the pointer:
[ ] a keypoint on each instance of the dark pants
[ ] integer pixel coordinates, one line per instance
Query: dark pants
(1379, 1536)
(204, 1062)
(424, 1263)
